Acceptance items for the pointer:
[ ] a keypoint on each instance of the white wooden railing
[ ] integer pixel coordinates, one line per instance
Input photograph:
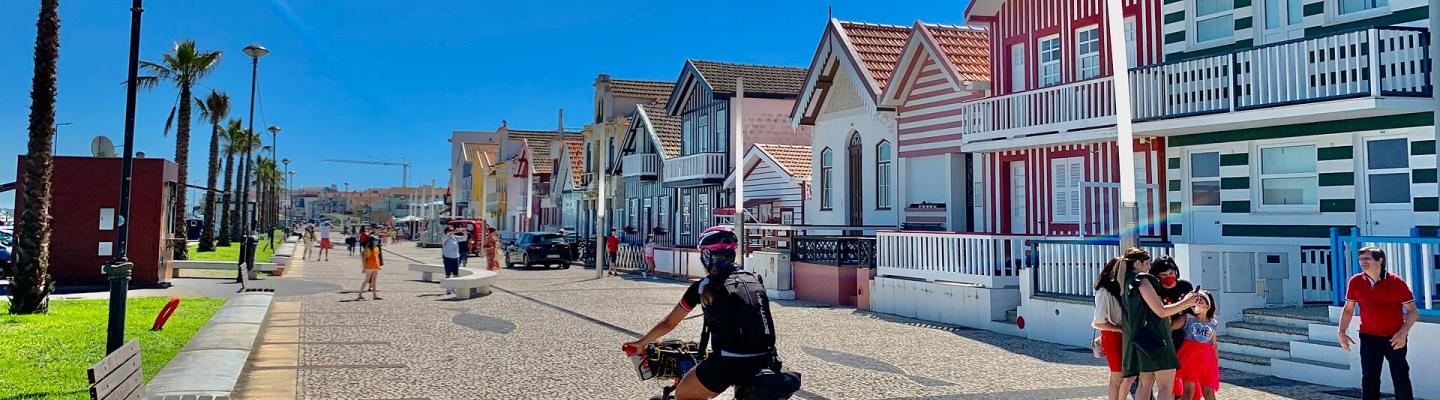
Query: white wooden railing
(696, 166)
(1340, 65)
(641, 165)
(1078, 105)
(1070, 267)
(987, 260)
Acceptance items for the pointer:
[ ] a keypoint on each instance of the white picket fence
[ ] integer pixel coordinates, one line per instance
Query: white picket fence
(987, 260)
(1071, 267)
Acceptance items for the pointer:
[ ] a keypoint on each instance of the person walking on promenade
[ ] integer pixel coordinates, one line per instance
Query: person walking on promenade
(464, 246)
(325, 243)
(1149, 350)
(1171, 290)
(370, 263)
(491, 242)
(649, 271)
(1199, 371)
(309, 239)
(450, 253)
(1108, 319)
(350, 242)
(1387, 312)
(364, 236)
(612, 250)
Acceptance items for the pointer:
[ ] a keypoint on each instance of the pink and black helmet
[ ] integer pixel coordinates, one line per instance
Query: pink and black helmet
(719, 237)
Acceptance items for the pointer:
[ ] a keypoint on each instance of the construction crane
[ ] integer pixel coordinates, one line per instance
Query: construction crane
(403, 164)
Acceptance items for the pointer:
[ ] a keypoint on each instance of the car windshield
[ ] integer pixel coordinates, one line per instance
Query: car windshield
(550, 238)
(6, 238)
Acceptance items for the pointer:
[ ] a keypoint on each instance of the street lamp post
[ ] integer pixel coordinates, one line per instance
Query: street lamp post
(274, 147)
(288, 176)
(247, 248)
(118, 269)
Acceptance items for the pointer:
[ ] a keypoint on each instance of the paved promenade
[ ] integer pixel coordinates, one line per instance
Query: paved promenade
(556, 334)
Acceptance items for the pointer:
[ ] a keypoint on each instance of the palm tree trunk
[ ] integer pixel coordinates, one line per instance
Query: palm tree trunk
(30, 290)
(182, 158)
(225, 205)
(207, 236)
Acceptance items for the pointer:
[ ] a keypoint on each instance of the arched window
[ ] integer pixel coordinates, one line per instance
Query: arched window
(827, 164)
(882, 175)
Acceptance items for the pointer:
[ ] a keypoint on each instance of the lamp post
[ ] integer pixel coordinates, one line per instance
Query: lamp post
(1124, 134)
(118, 269)
(288, 176)
(274, 147)
(247, 248)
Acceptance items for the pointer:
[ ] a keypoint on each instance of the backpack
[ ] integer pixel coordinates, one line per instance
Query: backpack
(740, 317)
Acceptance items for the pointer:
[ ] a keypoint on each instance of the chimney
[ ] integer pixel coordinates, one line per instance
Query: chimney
(503, 135)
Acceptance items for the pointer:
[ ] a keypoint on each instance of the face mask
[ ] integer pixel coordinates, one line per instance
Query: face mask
(1169, 280)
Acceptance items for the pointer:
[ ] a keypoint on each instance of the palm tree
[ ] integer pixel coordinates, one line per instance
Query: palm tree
(213, 109)
(31, 286)
(266, 176)
(184, 66)
(236, 140)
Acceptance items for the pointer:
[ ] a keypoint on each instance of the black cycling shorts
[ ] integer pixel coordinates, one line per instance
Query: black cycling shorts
(718, 372)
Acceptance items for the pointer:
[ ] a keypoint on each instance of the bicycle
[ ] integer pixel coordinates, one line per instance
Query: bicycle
(672, 359)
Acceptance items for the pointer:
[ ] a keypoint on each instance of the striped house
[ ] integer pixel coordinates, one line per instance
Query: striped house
(652, 138)
(777, 176)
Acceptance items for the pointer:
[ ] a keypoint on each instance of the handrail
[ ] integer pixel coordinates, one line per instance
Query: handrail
(1274, 44)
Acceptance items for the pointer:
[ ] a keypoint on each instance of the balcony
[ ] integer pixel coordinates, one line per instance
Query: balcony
(643, 166)
(1081, 111)
(1270, 84)
(696, 170)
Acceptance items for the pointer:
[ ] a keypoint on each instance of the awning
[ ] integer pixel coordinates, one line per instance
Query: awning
(748, 204)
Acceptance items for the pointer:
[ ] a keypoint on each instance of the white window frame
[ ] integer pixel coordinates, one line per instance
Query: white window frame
(1191, 179)
(1257, 180)
(719, 127)
(1193, 18)
(703, 134)
(884, 164)
(1081, 72)
(1067, 189)
(1132, 42)
(1040, 51)
(826, 167)
(1332, 10)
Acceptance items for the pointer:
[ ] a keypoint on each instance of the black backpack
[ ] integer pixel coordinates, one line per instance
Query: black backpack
(740, 317)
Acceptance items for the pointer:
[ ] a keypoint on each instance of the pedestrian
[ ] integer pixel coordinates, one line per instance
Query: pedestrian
(450, 253)
(612, 250)
(370, 262)
(325, 244)
(364, 236)
(394, 235)
(309, 239)
(350, 242)
(1199, 371)
(491, 242)
(649, 271)
(1171, 290)
(1108, 320)
(1387, 312)
(1148, 349)
(464, 246)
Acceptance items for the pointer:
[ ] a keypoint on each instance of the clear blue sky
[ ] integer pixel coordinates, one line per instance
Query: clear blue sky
(389, 79)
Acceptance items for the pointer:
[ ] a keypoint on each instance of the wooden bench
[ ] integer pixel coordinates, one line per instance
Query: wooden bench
(118, 376)
(428, 271)
(178, 265)
(471, 283)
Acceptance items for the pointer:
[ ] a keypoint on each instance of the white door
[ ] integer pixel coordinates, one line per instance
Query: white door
(1131, 49)
(1142, 198)
(1281, 20)
(1385, 210)
(1017, 197)
(1203, 195)
(1017, 67)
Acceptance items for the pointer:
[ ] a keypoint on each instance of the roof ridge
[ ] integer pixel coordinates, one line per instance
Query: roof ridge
(873, 24)
(954, 27)
(694, 60)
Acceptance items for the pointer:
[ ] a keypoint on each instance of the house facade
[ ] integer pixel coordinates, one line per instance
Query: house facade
(776, 179)
(703, 99)
(615, 101)
(652, 138)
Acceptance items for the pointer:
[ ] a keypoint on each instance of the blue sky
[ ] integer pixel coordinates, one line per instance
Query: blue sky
(370, 79)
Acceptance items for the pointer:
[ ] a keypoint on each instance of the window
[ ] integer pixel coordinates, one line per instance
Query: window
(1387, 170)
(1130, 46)
(1214, 20)
(702, 207)
(687, 133)
(882, 175)
(827, 163)
(1204, 179)
(1065, 188)
(1280, 13)
(1351, 6)
(708, 142)
(1287, 177)
(720, 125)
(1050, 60)
(662, 212)
(1087, 52)
(685, 215)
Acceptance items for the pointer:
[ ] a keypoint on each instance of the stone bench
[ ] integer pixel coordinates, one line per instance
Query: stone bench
(471, 283)
(178, 265)
(428, 271)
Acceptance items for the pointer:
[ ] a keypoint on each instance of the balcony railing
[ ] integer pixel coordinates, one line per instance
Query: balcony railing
(834, 250)
(991, 261)
(1336, 66)
(1073, 106)
(641, 165)
(702, 166)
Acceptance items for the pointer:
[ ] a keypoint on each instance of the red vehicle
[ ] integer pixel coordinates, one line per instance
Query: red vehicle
(473, 230)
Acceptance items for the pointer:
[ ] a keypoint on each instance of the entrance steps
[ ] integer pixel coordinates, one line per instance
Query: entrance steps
(1294, 343)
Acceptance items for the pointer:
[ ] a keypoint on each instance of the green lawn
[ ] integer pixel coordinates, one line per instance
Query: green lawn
(46, 355)
(232, 253)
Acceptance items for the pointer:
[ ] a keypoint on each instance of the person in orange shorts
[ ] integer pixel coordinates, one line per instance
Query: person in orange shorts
(371, 263)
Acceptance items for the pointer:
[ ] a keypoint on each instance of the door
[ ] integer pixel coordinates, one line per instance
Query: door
(1203, 225)
(1017, 67)
(1143, 191)
(1131, 49)
(1018, 216)
(1282, 20)
(854, 177)
(1387, 206)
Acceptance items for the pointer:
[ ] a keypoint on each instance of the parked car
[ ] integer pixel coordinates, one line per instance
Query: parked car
(7, 252)
(539, 248)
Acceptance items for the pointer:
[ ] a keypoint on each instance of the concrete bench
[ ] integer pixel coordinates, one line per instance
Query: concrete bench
(178, 265)
(471, 283)
(428, 271)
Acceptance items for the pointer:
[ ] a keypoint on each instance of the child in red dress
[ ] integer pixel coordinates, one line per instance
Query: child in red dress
(1199, 358)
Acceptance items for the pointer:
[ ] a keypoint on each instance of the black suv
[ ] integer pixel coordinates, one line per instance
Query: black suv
(539, 248)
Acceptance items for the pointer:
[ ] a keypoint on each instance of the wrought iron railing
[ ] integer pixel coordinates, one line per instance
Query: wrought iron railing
(834, 250)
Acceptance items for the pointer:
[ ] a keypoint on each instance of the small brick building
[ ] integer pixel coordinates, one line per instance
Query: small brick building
(86, 197)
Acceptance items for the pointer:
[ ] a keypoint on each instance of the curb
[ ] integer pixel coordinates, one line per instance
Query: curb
(211, 363)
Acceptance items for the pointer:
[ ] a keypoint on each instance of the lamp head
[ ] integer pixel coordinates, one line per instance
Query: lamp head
(285, 161)
(255, 50)
(274, 129)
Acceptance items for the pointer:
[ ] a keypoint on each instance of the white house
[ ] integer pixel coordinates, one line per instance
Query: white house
(777, 177)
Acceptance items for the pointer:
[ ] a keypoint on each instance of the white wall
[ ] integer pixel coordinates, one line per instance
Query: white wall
(768, 121)
(844, 113)
(953, 304)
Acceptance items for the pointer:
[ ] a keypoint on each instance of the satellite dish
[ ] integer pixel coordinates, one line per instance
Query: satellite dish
(139, 154)
(100, 146)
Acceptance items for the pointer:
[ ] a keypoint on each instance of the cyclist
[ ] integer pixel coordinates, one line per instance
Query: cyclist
(737, 314)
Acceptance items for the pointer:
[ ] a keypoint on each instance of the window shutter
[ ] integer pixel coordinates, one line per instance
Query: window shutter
(1077, 174)
(1058, 192)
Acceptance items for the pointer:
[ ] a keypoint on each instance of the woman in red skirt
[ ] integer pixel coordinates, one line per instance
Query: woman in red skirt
(1199, 358)
(1108, 315)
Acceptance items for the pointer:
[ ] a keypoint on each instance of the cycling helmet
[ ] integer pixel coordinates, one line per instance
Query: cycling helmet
(717, 248)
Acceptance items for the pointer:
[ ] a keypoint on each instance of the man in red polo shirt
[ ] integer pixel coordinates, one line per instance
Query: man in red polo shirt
(1387, 311)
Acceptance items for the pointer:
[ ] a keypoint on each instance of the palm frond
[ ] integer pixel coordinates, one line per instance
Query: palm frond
(145, 82)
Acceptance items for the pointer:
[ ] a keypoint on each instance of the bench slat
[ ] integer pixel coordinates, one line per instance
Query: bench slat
(117, 379)
(130, 388)
(107, 364)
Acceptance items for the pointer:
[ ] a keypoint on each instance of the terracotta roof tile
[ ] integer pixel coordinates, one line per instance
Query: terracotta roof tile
(878, 46)
(795, 159)
(667, 128)
(576, 150)
(766, 79)
(539, 143)
(641, 89)
(967, 48)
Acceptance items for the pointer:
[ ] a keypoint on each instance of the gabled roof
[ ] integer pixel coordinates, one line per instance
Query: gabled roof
(760, 80)
(482, 154)
(794, 159)
(871, 50)
(658, 90)
(539, 144)
(665, 127)
(878, 46)
(575, 154)
(963, 53)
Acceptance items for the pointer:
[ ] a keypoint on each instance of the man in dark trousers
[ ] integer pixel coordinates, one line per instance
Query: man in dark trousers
(1387, 312)
(612, 248)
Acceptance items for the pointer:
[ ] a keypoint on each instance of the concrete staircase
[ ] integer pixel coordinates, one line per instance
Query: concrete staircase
(1292, 343)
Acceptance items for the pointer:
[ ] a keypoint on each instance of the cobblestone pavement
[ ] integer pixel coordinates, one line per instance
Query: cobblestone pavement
(556, 334)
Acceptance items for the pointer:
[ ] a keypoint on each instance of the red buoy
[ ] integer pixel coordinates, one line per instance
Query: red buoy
(165, 313)
(1020, 322)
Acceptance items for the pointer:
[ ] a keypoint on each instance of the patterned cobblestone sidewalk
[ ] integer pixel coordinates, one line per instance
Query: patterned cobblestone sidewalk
(555, 334)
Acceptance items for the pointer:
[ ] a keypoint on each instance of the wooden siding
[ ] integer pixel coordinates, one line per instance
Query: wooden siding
(1026, 21)
(930, 115)
(765, 180)
(1099, 200)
